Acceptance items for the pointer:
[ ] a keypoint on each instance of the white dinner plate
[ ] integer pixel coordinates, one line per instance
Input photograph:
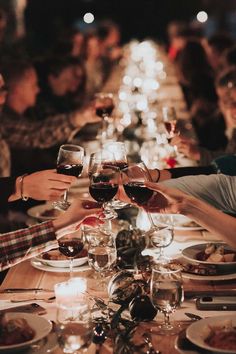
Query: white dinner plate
(191, 252)
(41, 266)
(179, 221)
(37, 211)
(221, 277)
(41, 326)
(198, 331)
(62, 263)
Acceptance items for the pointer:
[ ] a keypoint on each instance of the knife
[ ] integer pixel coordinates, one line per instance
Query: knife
(21, 290)
(218, 292)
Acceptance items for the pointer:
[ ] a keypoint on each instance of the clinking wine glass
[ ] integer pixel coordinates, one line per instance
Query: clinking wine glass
(104, 105)
(69, 162)
(74, 326)
(104, 181)
(70, 246)
(133, 180)
(167, 295)
(160, 239)
(170, 120)
(101, 157)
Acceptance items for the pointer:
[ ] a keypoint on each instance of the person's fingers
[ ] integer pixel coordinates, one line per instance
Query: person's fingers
(92, 221)
(62, 178)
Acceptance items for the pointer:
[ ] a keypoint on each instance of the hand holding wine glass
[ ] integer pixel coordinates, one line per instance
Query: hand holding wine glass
(69, 162)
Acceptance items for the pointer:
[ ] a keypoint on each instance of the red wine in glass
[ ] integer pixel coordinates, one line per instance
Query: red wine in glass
(70, 247)
(103, 191)
(104, 110)
(70, 169)
(138, 192)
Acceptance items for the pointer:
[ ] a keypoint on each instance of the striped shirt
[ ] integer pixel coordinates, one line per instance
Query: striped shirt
(22, 244)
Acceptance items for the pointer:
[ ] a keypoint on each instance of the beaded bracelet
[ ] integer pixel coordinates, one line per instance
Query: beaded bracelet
(22, 187)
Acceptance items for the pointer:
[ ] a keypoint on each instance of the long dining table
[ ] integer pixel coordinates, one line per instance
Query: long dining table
(24, 275)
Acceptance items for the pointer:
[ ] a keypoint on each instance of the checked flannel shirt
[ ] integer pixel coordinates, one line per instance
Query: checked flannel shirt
(19, 245)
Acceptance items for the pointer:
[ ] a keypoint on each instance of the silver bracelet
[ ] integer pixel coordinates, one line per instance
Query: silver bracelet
(22, 188)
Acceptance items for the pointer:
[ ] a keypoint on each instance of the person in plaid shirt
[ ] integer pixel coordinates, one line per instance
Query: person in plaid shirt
(23, 244)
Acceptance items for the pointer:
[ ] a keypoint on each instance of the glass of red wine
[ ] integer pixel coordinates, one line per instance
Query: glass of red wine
(101, 157)
(170, 120)
(104, 105)
(133, 180)
(104, 181)
(70, 246)
(69, 162)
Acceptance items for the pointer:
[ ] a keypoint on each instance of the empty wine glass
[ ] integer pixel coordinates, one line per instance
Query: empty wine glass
(70, 245)
(69, 162)
(161, 238)
(74, 326)
(167, 295)
(103, 187)
(104, 105)
(101, 253)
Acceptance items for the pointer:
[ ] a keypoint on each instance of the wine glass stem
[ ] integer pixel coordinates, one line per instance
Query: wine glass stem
(71, 267)
(167, 319)
(151, 220)
(65, 196)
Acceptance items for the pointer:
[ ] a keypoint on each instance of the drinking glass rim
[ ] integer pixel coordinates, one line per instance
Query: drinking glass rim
(166, 271)
(66, 147)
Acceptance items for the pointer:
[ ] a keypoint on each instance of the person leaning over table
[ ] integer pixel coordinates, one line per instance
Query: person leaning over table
(23, 244)
(205, 196)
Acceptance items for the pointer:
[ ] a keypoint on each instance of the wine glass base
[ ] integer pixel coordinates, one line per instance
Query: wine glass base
(170, 330)
(118, 204)
(108, 215)
(61, 205)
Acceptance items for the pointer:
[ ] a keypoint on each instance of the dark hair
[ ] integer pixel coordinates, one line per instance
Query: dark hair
(230, 56)
(220, 42)
(14, 70)
(227, 78)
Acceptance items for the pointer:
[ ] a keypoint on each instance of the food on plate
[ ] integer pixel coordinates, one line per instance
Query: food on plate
(51, 213)
(15, 330)
(199, 269)
(216, 253)
(222, 337)
(56, 255)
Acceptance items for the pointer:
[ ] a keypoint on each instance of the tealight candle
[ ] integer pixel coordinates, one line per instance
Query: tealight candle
(65, 292)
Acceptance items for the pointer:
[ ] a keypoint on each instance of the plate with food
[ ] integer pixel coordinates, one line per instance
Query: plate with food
(21, 330)
(43, 212)
(217, 334)
(218, 254)
(180, 222)
(54, 258)
(202, 272)
(47, 268)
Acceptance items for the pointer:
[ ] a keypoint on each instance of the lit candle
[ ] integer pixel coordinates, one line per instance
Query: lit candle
(65, 292)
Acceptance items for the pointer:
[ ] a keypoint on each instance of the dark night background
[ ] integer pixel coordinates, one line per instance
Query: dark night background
(137, 18)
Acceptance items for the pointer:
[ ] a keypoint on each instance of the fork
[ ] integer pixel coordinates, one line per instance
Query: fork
(50, 299)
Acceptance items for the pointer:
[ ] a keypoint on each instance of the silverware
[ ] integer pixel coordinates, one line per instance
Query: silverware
(22, 290)
(147, 340)
(193, 316)
(50, 299)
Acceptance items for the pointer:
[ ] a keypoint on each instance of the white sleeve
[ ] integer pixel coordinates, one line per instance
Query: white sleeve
(218, 190)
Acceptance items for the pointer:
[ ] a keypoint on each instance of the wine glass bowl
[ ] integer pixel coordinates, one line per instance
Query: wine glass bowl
(69, 162)
(160, 239)
(103, 187)
(166, 295)
(104, 104)
(170, 120)
(70, 246)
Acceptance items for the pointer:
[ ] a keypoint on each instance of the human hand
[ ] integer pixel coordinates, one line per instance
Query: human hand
(79, 211)
(166, 200)
(85, 116)
(186, 146)
(43, 185)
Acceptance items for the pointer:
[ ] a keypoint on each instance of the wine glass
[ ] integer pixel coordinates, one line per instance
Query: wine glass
(104, 105)
(166, 295)
(104, 180)
(69, 162)
(133, 180)
(160, 239)
(101, 253)
(70, 245)
(74, 326)
(101, 157)
(119, 153)
(170, 120)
